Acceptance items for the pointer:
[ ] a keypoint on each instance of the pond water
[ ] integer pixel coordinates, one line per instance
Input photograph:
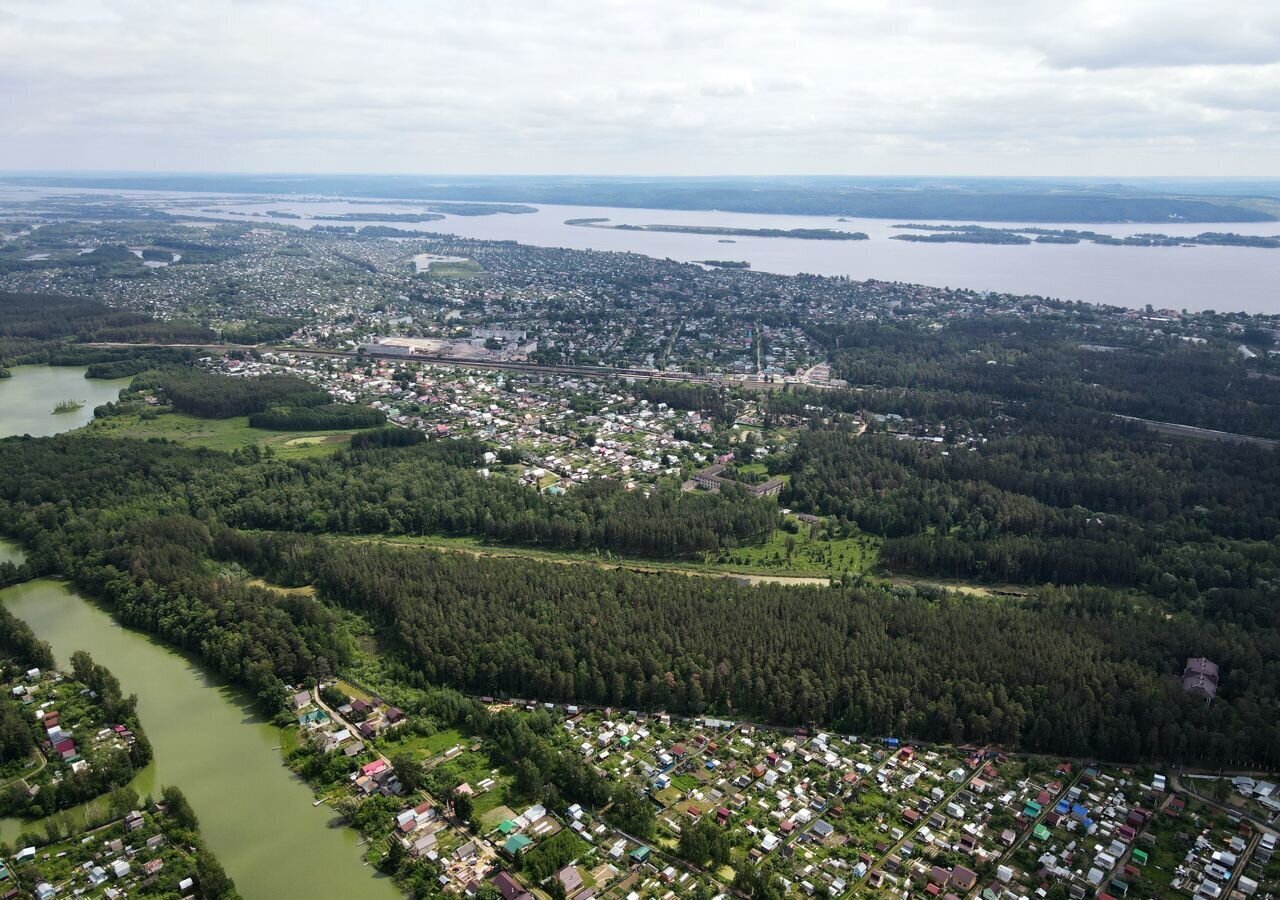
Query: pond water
(28, 396)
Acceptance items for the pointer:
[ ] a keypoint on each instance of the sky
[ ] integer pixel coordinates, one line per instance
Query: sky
(643, 87)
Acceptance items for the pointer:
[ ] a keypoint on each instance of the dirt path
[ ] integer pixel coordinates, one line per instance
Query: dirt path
(556, 559)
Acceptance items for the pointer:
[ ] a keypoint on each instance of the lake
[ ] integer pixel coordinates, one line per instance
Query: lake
(28, 397)
(1241, 279)
(256, 816)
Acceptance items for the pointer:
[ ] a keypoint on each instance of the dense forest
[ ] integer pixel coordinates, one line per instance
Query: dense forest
(1076, 671)
(434, 488)
(36, 328)
(33, 326)
(985, 366)
(217, 397)
(1011, 465)
(316, 418)
(262, 331)
(1084, 499)
(1082, 670)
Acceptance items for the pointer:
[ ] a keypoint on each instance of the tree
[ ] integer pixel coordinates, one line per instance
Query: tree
(121, 801)
(631, 811)
(395, 856)
(704, 842)
(462, 806)
(528, 777)
(215, 884)
(408, 770)
(177, 806)
(347, 806)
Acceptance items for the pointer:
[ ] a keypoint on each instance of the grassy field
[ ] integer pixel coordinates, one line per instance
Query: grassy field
(799, 554)
(473, 768)
(477, 547)
(963, 587)
(304, 591)
(426, 746)
(685, 782)
(220, 434)
(352, 691)
(290, 739)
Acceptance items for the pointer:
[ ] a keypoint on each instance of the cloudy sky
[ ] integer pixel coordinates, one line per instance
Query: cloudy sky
(1019, 87)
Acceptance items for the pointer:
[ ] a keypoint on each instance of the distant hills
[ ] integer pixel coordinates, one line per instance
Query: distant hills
(971, 199)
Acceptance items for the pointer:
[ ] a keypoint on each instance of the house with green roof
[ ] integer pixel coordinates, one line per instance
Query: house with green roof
(313, 717)
(515, 844)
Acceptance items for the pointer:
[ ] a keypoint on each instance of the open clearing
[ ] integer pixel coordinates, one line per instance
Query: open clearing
(219, 434)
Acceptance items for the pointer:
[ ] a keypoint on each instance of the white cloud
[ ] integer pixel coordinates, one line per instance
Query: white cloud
(665, 86)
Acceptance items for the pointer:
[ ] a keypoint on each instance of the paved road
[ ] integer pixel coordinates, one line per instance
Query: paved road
(1175, 781)
(1208, 434)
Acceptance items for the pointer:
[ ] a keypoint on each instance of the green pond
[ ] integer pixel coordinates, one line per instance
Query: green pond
(255, 814)
(11, 553)
(28, 397)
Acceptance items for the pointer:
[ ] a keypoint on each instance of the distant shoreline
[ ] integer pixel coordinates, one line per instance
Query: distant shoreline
(954, 199)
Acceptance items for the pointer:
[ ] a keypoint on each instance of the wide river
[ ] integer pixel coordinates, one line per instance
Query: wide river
(1237, 279)
(1229, 279)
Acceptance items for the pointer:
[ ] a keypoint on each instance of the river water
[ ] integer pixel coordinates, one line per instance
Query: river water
(28, 397)
(255, 815)
(1238, 279)
(1228, 279)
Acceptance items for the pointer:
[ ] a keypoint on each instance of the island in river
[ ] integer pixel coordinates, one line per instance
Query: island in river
(804, 234)
(982, 234)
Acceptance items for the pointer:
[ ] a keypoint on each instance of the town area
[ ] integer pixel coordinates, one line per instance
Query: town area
(728, 803)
